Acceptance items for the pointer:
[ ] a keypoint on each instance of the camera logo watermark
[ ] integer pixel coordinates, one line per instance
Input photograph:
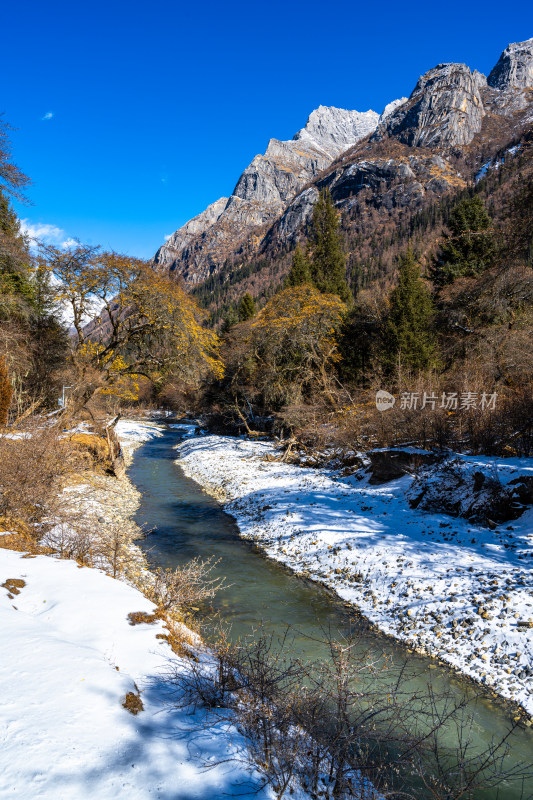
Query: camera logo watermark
(449, 401)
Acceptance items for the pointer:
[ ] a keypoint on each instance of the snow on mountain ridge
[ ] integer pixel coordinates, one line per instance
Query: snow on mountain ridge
(337, 129)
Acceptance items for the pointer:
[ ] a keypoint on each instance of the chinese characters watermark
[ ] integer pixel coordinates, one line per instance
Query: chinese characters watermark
(449, 401)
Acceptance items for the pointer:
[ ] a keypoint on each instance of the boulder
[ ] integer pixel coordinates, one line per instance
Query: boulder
(389, 464)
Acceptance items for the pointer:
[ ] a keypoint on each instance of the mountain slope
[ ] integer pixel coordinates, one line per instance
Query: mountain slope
(262, 192)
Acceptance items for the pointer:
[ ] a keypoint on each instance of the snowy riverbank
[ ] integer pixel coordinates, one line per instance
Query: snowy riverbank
(442, 584)
(70, 658)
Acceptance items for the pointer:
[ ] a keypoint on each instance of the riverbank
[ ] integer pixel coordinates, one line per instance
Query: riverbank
(443, 585)
(86, 708)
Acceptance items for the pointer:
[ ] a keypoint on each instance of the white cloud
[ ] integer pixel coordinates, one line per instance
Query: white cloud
(167, 237)
(43, 232)
(52, 234)
(48, 115)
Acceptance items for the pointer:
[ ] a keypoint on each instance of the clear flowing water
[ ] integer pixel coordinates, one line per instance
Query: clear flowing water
(185, 522)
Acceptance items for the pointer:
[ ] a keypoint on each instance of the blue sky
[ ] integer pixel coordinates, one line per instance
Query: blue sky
(132, 118)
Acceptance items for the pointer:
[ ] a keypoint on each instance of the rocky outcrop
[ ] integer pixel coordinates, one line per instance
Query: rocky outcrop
(390, 464)
(335, 129)
(181, 239)
(463, 489)
(390, 108)
(444, 109)
(407, 180)
(514, 68)
(382, 175)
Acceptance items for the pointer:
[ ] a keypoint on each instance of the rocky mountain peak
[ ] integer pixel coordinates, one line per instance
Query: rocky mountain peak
(336, 129)
(445, 108)
(183, 237)
(418, 150)
(514, 67)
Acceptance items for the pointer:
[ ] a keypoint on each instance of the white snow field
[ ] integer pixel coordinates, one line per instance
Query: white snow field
(69, 657)
(457, 590)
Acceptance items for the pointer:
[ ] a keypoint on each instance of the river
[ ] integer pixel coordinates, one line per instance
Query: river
(186, 522)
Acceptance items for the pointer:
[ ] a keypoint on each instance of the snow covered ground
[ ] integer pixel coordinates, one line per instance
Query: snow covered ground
(69, 658)
(446, 586)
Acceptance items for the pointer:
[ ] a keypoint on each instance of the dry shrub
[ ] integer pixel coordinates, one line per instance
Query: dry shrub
(180, 639)
(68, 535)
(178, 396)
(176, 591)
(505, 430)
(327, 728)
(6, 392)
(32, 469)
(112, 545)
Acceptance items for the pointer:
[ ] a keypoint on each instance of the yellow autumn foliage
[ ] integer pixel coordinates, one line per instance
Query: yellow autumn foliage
(300, 313)
(293, 339)
(146, 324)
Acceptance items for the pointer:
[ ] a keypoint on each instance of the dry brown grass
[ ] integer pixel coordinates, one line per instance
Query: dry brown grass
(13, 585)
(93, 448)
(133, 703)
(142, 617)
(182, 641)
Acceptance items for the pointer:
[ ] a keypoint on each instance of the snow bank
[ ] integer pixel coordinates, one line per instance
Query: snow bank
(443, 584)
(69, 657)
(133, 433)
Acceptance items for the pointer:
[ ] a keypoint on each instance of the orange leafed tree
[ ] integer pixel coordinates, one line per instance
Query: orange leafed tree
(129, 320)
(294, 342)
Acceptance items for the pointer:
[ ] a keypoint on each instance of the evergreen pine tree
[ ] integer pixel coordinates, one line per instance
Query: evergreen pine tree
(328, 262)
(229, 320)
(469, 247)
(300, 271)
(246, 307)
(409, 335)
(519, 228)
(16, 291)
(8, 219)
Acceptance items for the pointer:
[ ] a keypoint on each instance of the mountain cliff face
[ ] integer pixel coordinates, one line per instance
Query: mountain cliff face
(417, 151)
(444, 109)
